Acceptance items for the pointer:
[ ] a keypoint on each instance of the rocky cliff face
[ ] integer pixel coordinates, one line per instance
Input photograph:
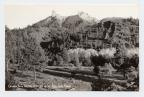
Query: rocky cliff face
(115, 32)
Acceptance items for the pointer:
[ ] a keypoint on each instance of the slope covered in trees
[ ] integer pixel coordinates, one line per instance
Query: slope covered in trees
(49, 40)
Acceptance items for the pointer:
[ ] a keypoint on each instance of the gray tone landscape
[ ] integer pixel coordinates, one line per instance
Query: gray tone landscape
(73, 53)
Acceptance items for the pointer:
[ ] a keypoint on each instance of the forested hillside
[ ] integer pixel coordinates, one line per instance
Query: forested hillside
(53, 36)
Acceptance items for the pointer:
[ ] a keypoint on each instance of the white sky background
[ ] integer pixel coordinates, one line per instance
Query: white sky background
(19, 16)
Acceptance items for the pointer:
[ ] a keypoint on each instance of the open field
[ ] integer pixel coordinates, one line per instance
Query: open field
(61, 79)
(49, 82)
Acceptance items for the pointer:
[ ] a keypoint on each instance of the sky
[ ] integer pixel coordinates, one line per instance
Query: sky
(19, 16)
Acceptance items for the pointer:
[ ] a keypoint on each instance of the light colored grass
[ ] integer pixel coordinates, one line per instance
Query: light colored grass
(51, 82)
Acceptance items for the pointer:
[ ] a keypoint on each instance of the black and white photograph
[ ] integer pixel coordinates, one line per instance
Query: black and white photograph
(71, 48)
